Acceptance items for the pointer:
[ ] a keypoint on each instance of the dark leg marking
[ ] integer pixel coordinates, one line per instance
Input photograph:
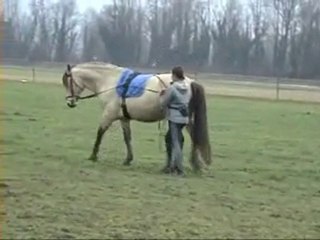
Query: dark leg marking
(125, 124)
(100, 133)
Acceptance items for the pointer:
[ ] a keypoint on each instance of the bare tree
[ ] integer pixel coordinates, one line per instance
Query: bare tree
(307, 46)
(285, 13)
(259, 21)
(65, 22)
(120, 30)
(232, 37)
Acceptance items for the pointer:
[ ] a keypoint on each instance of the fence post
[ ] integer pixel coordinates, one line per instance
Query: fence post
(33, 74)
(278, 88)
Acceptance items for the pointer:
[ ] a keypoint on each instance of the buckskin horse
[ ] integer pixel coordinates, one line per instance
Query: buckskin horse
(127, 95)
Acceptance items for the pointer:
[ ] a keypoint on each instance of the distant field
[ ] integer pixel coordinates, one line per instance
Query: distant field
(224, 85)
(264, 182)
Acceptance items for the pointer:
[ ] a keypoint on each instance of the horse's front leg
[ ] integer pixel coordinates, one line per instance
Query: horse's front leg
(104, 126)
(125, 125)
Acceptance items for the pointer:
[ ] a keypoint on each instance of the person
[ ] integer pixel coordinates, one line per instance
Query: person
(175, 101)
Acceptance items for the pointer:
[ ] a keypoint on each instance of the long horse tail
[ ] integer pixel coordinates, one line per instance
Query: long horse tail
(199, 126)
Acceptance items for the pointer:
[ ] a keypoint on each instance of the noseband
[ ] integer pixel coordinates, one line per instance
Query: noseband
(71, 83)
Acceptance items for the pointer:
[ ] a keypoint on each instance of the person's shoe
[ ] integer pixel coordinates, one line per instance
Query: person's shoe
(166, 170)
(180, 172)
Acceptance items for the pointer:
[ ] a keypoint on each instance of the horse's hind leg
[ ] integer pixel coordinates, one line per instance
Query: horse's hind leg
(104, 126)
(125, 124)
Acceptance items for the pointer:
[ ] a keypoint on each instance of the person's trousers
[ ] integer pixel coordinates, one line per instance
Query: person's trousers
(174, 145)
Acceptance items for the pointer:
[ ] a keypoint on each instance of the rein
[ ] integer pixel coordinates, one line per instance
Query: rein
(107, 90)
(73, 82)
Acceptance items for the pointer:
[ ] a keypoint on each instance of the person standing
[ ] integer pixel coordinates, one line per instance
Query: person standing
(175, 101)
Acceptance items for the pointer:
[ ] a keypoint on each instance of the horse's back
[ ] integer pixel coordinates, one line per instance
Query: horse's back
(165, 80)
(147, 106)
(132, 84)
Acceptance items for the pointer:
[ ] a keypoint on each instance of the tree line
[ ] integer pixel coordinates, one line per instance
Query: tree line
(256, 37)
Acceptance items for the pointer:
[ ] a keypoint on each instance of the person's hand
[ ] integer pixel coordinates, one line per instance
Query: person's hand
(162, 92)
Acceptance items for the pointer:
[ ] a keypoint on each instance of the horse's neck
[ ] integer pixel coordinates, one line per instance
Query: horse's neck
(98, 82)
(101, 84)
(164, 79)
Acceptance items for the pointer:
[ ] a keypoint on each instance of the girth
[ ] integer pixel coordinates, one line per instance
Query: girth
(126, 88)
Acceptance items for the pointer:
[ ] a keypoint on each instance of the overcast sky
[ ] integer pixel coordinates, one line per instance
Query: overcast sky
(82, 4)
(95, 4)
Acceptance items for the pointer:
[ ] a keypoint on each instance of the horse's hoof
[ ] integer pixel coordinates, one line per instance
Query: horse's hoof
(93, 158)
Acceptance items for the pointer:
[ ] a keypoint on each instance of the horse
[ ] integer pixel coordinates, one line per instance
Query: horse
(111, 84)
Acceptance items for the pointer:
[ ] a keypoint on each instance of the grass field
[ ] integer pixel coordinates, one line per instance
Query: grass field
(264, 182)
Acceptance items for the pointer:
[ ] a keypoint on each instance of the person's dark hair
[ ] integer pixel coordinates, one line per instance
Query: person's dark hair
(178, 72)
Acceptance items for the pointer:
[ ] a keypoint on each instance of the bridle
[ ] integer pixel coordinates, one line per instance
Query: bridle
(71, 83)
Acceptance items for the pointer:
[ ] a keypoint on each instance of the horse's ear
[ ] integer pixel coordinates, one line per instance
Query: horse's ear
(69, 67)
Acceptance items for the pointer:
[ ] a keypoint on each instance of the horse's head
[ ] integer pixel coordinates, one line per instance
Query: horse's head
(73, 87)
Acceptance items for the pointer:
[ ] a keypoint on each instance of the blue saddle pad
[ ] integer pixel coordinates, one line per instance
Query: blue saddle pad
(136, 87)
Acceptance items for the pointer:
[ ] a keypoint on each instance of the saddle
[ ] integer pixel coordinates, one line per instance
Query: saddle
(124, 93)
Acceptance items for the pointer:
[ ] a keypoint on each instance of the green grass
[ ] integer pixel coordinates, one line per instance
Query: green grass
(33, 73)
(264, 182)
